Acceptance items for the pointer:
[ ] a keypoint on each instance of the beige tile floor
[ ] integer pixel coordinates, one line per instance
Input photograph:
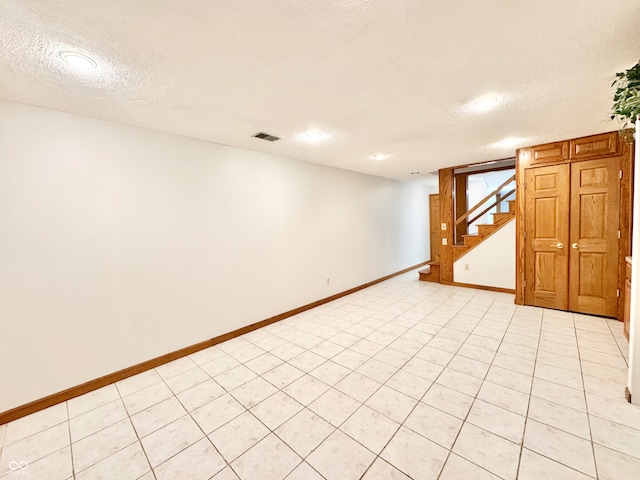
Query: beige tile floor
(405, 379)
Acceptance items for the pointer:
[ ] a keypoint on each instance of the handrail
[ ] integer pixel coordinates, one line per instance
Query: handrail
(499, 200)
(479, 204)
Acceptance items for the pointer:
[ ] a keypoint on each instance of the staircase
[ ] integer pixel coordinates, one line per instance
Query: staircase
(431, 273)
(457, 218)
(484, 231)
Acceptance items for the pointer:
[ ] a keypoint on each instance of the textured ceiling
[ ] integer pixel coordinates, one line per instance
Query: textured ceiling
(377, 75)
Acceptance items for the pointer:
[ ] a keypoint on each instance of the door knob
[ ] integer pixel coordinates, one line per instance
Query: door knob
(575, 246)
(558, 245)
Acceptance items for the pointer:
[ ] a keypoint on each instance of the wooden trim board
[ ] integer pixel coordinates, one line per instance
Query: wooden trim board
(68, 394)
(480, 287)
(445, 180)
(488, 169)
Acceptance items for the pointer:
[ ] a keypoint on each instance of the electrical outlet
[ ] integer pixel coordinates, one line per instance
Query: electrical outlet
(328, 280)
(444, 241)
(466, 266)
(443, 226)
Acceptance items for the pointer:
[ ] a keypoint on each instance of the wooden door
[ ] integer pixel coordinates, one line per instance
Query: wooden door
(434, 225)
(547, 236)
(593, 252)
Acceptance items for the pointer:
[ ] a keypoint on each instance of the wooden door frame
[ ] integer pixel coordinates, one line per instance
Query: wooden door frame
(445, 185)
(432, 197)
(461, 181)
(570, 151)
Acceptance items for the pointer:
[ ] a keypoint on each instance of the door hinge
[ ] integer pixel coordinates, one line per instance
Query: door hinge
(618, 293)
(619, 234)
(525, 283)
(525, 235)
(620, 173)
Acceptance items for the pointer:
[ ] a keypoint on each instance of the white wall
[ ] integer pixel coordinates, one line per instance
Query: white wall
(120, 244)
(477, 189)
(492, 263)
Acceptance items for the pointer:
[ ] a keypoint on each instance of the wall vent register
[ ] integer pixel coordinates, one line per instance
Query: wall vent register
(266, 136)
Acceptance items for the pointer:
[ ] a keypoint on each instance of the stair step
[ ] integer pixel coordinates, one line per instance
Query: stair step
(484, 231)
(487, 229)
(499, 218)
(512, 206)
(431, 273)
(459, 251)
(424, 274)
(471, 240)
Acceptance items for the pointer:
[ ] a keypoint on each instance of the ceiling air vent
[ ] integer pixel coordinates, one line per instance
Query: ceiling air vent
(266, 136)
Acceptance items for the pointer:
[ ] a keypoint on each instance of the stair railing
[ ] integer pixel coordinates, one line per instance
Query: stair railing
(499, 198)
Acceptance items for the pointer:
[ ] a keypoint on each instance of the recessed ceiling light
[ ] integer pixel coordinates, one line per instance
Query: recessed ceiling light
(314, 136)
(485, 103)
(380, 156)
(507, 142)
(78, 61)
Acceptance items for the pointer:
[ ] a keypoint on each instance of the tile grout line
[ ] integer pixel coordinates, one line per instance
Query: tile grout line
(419, 400)
(617, 344)
(138, 439)
(7, 473)
(131, 393)
(450, 449)
(560, 429)
(333, 387)
(586, 402)
(361, 404)
(386, 302)
(533, 377)
(401, 424)
(475, 397)
(188, 413)
(248, 410)
(73, 467)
